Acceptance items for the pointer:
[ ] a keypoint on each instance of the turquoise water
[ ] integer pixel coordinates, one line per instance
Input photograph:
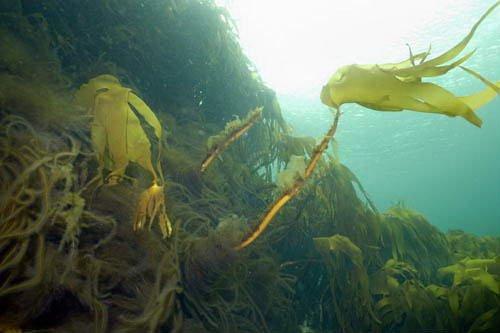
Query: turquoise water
(443, 167)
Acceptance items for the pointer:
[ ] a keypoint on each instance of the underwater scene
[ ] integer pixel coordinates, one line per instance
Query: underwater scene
(249, 166)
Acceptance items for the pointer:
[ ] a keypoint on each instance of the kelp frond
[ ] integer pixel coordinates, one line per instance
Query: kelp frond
(397, 87)
(119, 131)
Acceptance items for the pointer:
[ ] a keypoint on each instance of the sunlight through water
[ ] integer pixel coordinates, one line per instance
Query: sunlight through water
(444, 168)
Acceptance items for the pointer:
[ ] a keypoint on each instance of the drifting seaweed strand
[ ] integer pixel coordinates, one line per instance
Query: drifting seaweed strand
(39, 195)
(229, 135)
(17, 226)
(294, 190)
(37, 276)
(161, 303)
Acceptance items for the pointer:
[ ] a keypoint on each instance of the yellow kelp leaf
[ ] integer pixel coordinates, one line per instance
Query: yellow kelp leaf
(340, 244)
(438, 291)
(437, 70)
(448, 55)
(487, 82)
(488, 265)
(486, 322)
(386, 280)
(485, 279)
(144, 110)
(85, 96)
(397, 87)
(382, 284)
(116, 131)
(454, 301)
(409, 72)
(116, 123)
(485, 264)
(481, 271)
(481, 98)
(119, 138)
(382, 91)
(457, 270)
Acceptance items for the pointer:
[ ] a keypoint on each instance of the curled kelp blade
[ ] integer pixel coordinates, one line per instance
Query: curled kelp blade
(138, 144)
(382, 91)
(476, 270)
(339, 244)
(144, 110)
(487, 82)
(86, 94)
(448, 55)
(119, 137)
(433, 71)
(431, 98)
(477, 100)
(109, 130)
(117, 133)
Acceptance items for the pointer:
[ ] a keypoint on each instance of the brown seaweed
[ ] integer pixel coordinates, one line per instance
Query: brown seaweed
(70, 260)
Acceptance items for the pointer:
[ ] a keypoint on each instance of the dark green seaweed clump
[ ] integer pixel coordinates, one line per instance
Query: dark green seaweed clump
(70, 260)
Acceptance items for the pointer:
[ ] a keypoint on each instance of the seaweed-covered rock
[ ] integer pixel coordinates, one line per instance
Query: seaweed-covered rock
(70, 260)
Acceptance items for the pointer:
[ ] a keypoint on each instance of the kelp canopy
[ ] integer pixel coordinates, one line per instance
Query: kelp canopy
(70, 260)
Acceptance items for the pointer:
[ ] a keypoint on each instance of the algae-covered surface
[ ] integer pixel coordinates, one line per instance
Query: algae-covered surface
(149, 183)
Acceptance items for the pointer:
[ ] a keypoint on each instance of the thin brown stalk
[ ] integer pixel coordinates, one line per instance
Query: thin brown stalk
(279, 203)
(217, 149)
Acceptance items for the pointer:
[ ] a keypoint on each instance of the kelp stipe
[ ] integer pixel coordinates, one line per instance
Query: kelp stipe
(233, 130)
(294, 188)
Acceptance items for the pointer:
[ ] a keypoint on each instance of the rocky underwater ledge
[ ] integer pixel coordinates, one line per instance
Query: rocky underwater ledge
(75, 254)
